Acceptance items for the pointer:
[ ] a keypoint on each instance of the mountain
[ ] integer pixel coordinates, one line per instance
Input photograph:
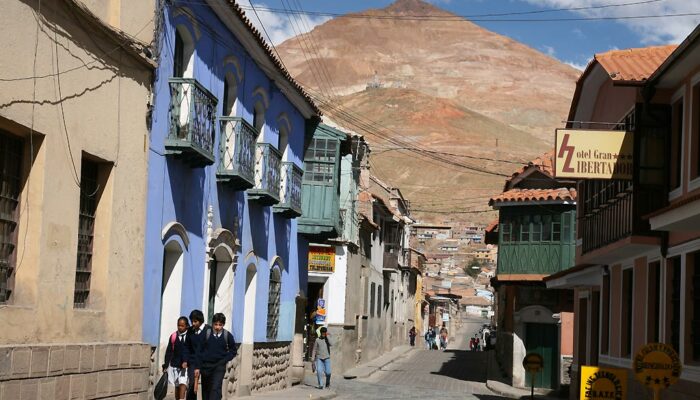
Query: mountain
(442, 82)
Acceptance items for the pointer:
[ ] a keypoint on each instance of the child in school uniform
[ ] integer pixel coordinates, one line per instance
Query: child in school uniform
(217, 350)
(176, 358)
(195, 338)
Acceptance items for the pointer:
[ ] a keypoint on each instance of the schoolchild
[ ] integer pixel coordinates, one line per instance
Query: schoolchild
(176, 358)
(217, 350)
(195, 338)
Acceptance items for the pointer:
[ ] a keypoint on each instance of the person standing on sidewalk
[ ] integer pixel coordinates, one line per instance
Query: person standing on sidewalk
(196, 335)
(176, 359)
(412, 336)
(321, 357)
(427, 340)
(443, 338)
(218, 349)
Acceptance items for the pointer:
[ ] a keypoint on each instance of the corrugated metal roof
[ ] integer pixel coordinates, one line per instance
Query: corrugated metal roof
(633, 65)
(523, 195)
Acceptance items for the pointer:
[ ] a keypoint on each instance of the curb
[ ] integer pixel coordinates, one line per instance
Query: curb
(365, 370)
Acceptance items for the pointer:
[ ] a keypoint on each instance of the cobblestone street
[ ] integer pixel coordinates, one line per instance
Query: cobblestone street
(453, 374)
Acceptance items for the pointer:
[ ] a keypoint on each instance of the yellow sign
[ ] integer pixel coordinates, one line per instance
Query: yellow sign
(657, 366)
(533, 362)
(593, 154)
(603, 383)
(321, 259)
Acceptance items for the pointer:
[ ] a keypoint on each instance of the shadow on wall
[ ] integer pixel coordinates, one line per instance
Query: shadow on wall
(189, 207)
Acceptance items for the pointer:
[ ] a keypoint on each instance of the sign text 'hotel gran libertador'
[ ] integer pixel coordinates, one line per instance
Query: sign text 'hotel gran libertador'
(589, 154)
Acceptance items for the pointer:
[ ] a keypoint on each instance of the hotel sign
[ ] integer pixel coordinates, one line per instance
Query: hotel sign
(588, 154)
(321, 259)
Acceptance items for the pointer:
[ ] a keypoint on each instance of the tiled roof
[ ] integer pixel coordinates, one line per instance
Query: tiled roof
(276, 61)
(493, 226)
(523, 195)
(543, 163)
(633, 65)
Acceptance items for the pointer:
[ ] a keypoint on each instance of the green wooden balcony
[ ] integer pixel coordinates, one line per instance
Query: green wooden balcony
(290, 191)
(236, 153)
(267, 175)
(192, 122)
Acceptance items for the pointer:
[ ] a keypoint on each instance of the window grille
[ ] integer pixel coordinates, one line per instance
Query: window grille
(319, 161)
(86, 230)
(273, 304)
(10, 179)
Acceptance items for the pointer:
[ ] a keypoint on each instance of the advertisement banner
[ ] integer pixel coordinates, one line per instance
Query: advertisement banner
(589, 154)
(321, 259)
(603, 383)
(320, 311)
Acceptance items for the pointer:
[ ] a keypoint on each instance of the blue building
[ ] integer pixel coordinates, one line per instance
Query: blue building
(224, 188)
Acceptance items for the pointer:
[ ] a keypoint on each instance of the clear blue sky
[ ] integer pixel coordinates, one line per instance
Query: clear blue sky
(573, 42)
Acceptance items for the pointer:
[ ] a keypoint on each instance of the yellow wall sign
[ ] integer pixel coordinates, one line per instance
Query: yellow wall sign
(657, 366)
(588, 154)
(603, 383)
(321, 259)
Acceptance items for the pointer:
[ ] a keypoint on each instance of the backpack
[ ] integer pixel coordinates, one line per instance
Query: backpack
(224, 332)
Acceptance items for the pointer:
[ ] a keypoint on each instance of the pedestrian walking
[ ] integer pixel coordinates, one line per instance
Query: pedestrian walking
(426, 337)
(218, 349)
(478, 344)
(433, 336)
(471, 344)
(412, 336)
(176, 358)
(321, 357)
(196, 335)
(443, 338)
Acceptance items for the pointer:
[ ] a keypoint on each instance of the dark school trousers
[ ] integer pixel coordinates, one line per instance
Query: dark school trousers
(212, 382)
(191, 395)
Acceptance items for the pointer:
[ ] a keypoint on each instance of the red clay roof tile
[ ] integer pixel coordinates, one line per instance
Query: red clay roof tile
(633, 65)
(525, 195)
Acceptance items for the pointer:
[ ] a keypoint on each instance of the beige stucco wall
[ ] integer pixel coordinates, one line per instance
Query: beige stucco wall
(104, 108)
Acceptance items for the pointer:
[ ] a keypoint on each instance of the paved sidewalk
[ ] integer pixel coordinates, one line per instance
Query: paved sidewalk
(299, 392)
(367, 369)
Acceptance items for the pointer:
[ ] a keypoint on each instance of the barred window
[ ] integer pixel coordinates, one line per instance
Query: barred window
(10, 188)
(86, 228)
(273, 304)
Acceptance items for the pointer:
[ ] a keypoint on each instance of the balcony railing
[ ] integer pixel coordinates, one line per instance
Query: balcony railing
(620, 216)
(391, 260)
(267, 175)
(236, 153)
(192, 119)
(290, 191)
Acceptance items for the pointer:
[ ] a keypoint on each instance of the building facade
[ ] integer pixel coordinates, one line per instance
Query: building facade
(73, 118)
(635, 279)
(537, 216)
(224, 189)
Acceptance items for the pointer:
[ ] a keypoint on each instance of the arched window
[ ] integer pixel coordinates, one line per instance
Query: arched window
(171, 291)
(273, 304)
(183, 63)
(259, 118)
(283, 142)
(249, 304)
(230, 88)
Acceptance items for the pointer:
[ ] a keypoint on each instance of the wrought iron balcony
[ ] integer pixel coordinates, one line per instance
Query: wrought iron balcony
(290, 191)
(236, 153)
(192, 119)
(267, 175)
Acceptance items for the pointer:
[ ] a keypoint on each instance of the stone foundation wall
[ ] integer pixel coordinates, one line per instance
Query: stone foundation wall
(75, 371)
(271, 362)
(231, 379)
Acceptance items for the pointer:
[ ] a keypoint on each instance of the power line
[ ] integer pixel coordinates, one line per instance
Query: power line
(84, 65)
(486, 17)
